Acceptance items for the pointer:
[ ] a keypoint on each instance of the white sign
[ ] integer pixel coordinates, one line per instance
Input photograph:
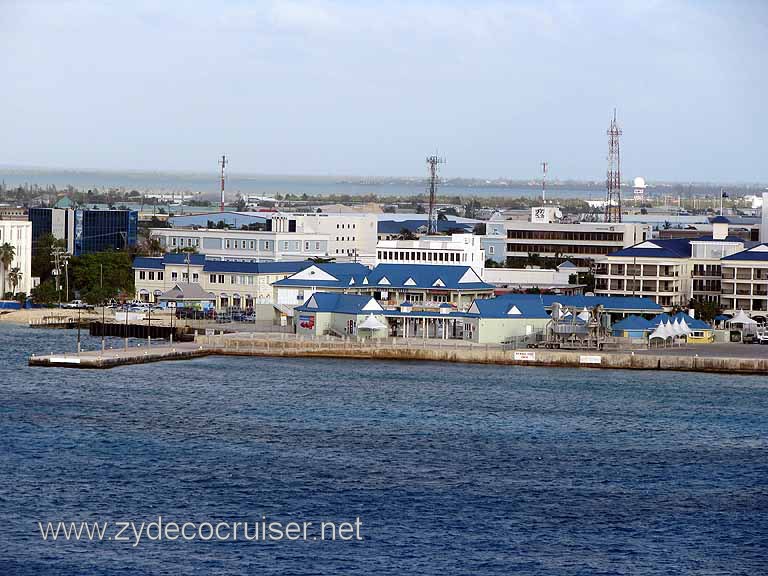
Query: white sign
(590, 359)
(210, 332)
(63, 360)
(526, 356)
(171, 304)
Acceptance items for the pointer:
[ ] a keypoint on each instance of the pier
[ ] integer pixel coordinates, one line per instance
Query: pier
(725, 358)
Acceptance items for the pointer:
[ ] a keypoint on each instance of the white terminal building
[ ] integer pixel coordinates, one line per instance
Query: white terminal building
(454, 250)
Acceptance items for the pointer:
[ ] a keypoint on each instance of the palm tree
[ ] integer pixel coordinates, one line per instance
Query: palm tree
(15, 278)
(7, 254)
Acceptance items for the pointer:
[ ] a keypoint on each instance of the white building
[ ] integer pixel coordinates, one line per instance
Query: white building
(454, 250)
(18, 234)
(638, 188)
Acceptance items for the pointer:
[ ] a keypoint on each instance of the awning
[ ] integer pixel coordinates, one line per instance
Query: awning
(143, 291)
(370, 323)
(158, 292)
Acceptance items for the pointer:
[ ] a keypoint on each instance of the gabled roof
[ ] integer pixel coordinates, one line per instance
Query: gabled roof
(658, 248)
(426, 276)
(331, 275)
(503, 307)
(340, 304)
(184, 291)
(759, 252)
(620, 304)
(633, 323)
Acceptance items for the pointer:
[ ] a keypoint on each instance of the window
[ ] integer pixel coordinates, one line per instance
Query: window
(266, 244)
(195, 277)
(174, 275)
(142, 275)
(212, 279)
(491, 250)
(159, 275)
(285, 245)
(251, 244)
(151, 275)
(221, 278)
(317, 245)
(173, 241)
(227, 243)
(185, 277)
(306, 245)
(236, 244)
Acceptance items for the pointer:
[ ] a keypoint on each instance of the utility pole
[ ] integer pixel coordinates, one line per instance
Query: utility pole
(222, 163)
(433, 162)
(613, 180)
(544, 166)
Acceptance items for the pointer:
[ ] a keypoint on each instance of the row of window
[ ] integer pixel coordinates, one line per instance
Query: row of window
(188, 242)
(405, 256)
(565, 235)
(559, 249)
(345, 238)
(344, 226)
(151, 274)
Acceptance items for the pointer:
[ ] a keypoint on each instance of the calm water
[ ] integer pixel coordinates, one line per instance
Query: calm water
(263, 185)
(453, 470)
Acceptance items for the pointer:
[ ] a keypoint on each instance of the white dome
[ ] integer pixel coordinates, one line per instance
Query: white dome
(639, 182)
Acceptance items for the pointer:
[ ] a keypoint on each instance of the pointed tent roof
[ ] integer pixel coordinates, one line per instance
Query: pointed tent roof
(371, 323)
(741, 317)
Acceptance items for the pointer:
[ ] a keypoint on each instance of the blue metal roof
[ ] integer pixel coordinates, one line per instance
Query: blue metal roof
(633, 323)
(159, 263)
(693, 323)
(338, 303)
(661, 248)
(346, 274)
(709, 238)
(622, 304)
(720, 220)
(424, 276)
(146, 263)
(501, 307)
(759, 252)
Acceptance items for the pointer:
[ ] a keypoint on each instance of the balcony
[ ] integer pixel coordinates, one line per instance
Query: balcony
(727, 274)
(650, 270)
(744, 274)
(617, 269)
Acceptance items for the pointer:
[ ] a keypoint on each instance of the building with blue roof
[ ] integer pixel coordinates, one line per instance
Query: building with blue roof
(234, 284)
(633, 327)
(745, 282)
(505, 319)
(672, 272)
(342, 315)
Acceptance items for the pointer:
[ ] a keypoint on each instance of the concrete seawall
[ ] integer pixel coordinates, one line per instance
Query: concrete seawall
(293, 348)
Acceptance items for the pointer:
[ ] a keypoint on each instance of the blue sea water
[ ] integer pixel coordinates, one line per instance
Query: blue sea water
(459, 469)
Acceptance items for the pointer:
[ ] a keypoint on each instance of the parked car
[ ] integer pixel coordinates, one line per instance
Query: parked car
(77, 304)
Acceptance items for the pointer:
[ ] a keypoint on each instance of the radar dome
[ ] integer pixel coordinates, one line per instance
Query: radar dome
(639, 182)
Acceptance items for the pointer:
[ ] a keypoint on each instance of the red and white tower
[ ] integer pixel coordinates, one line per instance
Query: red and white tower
(222, 163)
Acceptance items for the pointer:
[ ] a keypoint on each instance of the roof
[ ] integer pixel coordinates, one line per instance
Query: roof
(340, 304)
(710, 238)
(693, 323)
(658, 248)
(426, 276)
(633, 323)
(184, 291)
(503, 307)
(395, 227)
(622, 304)
(332, 275)
(720, 220)
(759, 252)
(158, 263)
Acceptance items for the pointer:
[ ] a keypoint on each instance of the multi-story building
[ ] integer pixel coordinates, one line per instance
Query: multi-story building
(346, 237)
(745, 281)
(235, 284)
(13, 212)
(669, 271)
(454, 250)
(18, 234)
(244, 245)
(86, 231)
(543, 235)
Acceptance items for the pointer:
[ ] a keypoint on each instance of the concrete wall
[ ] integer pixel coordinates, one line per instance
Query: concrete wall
(498, 330)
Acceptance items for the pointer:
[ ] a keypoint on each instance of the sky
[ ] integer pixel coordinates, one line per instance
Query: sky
(370, 88)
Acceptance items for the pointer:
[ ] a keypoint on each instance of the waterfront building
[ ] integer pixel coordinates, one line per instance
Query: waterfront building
(453, 250)
(331, 277)
(745, 282)
(233, 284)
(669, 271)
(86, 231)
(504, 319)
(342, 315)
(18, 234)
(581, 243)
(562, 280)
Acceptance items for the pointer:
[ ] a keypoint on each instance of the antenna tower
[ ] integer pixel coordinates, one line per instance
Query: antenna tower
(544, 166)
(432, 162)
(613, 180)
(222, 163)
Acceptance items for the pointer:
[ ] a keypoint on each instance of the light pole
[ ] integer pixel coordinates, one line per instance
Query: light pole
(103, 327)
(78, 330)
(126, 326)
(149, 328)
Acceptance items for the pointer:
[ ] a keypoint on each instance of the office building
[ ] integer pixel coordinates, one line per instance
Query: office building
(454, 250)
(86, 231)
(18, 234)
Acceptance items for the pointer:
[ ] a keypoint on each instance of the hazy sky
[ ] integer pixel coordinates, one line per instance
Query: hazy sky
(372, 87)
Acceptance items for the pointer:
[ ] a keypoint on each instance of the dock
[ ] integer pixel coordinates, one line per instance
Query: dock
(98, 359)
(703, 358)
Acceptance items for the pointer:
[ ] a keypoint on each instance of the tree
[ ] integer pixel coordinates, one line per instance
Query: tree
(41, 255)
(406, 234)
(7, 254)
(98, 277)
(45, 292)
(14, 277)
